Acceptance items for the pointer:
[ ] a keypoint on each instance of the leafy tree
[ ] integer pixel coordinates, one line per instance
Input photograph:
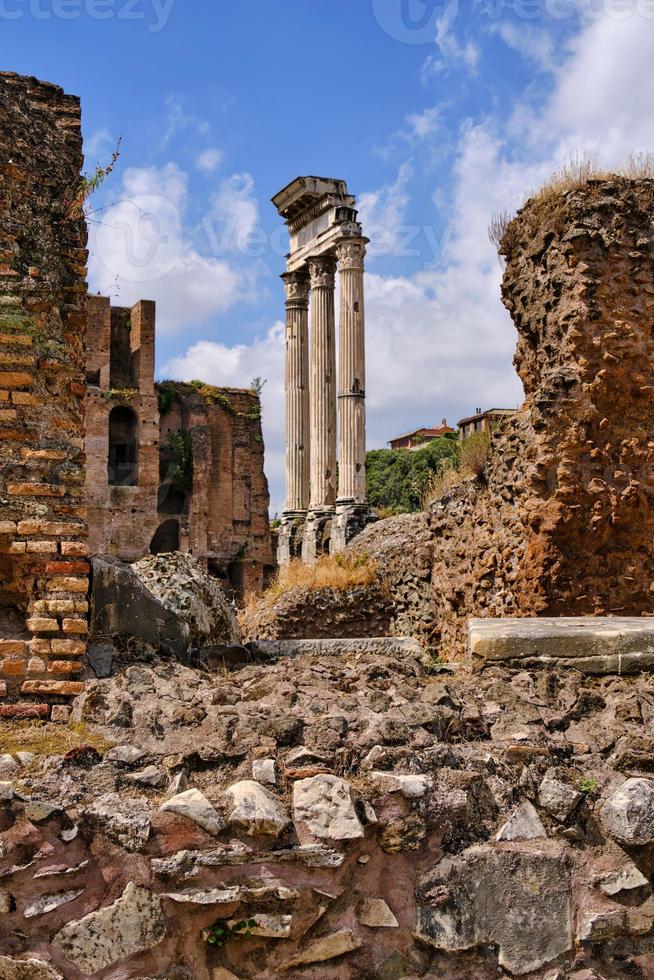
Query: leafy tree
(396, 479)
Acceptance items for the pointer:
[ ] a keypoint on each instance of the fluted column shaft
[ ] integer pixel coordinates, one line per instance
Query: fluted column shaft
(296, 391)
(323, 383)
(352, 374)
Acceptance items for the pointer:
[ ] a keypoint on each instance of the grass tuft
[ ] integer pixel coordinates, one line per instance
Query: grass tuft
(471, 464)
(43, 738)
(340, 572)
(575, 173)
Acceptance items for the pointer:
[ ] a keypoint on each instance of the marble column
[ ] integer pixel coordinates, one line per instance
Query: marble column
(352, 374)
(323, 384)
(297, 392)
(322, 398)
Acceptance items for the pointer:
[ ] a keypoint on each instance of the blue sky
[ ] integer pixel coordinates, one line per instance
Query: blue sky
(438, 113)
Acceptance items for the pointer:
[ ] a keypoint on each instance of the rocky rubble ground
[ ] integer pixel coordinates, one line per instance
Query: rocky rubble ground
(322, 817)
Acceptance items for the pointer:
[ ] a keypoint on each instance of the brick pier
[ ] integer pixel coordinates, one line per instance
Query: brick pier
(43, 526)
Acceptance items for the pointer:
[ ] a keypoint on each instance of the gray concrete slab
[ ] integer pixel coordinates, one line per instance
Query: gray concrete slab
(591, 644)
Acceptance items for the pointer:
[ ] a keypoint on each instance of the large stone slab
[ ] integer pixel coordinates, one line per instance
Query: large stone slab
(132, 924)
(122, 605)
(591, 644)
(514, 896)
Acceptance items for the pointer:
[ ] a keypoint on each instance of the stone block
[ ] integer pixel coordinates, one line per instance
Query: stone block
(74, 549)
(60, 713)
(591, 644)
(40, 624)
(63, 667)
(12, 648)
(67, 568)
(42, 547)
(67, 584)
(16, 379)
(75, 626)
(132, 924)
(531, 925)
(55, 528)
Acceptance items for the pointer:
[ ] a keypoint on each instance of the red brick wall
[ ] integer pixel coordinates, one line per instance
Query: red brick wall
(122, 519)
(43, 519)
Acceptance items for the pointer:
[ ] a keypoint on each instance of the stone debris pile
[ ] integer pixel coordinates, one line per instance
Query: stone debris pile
(341, 817)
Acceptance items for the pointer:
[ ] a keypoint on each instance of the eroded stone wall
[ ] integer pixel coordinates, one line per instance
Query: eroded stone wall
(43, 565)
(563, 521)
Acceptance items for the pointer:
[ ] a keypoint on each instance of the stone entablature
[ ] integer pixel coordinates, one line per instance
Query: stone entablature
(325, 402)
(43, 519)
(171, 467)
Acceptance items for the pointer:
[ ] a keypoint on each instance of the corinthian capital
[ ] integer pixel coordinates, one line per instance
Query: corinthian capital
(322, 270)
(351, 253)
(296, 285)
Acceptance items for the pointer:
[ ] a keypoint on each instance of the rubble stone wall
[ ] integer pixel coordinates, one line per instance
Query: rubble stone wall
(563, 522)
(321, 614)
(43, 520)
(372, 820)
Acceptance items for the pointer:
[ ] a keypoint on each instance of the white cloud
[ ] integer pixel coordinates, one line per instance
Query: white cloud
(382, 212)
(209, 160)
(139, 249)
(533, 43)
(99, 142)
(453, 53)
(233, 215)
(605, 88)
(177, 119)
(425, 124)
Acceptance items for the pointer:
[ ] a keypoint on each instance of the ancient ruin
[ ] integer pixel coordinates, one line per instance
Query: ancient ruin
(467, 798)
(43, 526)
(171, 466)
(319, 516)
(559, 520)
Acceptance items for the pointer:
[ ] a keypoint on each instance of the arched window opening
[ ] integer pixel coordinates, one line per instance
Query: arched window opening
(123, 447)
(166, 538)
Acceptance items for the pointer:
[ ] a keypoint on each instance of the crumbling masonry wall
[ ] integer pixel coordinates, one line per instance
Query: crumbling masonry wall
(223, 515)
(43, 566)
(171, 466)
(120, 376)
(563, 523)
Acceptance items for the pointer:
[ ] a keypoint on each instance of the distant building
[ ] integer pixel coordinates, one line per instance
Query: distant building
(483, 421)
(419, 437)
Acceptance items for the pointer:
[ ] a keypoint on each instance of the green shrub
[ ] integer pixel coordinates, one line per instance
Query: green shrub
(396, 479)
